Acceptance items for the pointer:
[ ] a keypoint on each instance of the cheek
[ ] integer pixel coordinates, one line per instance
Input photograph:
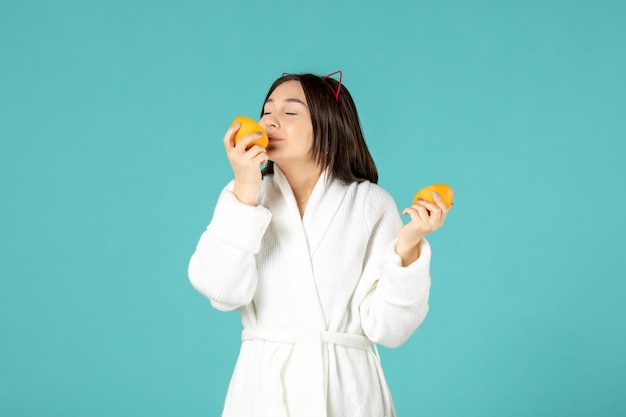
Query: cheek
(304, 135)
(307, 143)
(308, 135)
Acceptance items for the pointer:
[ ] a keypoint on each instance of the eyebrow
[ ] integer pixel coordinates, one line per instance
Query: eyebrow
(289, 100)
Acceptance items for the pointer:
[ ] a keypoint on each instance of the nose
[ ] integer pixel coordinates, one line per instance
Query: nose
(268, 121)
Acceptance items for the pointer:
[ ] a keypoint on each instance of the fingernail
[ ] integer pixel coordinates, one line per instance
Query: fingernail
(435, 194)
(420, 199)
(259, 133)
(237, 124)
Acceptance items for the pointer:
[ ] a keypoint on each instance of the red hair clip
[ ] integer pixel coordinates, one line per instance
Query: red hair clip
(335, 93)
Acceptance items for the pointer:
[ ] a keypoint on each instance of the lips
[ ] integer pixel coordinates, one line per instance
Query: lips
(274, 139)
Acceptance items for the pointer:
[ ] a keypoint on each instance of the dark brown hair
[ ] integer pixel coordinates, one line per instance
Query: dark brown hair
(338, 141)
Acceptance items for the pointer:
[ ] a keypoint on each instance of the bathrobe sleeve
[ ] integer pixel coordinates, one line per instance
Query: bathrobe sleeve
(223, 266)
(395, 300)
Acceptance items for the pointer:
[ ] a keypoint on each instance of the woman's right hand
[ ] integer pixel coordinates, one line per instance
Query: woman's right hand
(246, 164)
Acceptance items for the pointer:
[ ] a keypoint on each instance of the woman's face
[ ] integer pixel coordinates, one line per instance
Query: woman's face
(287, 121)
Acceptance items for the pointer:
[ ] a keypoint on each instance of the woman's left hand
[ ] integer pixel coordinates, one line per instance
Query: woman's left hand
(425, 218)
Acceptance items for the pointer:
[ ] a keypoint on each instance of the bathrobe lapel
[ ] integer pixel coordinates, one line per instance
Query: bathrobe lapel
(321, 210)
(294, 246)
(299, 238)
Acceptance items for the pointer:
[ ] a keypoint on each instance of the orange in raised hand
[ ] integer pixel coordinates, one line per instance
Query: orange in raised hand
(250, 126)
(444, 191)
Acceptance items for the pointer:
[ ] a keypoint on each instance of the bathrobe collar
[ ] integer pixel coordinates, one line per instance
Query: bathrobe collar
(325, 200)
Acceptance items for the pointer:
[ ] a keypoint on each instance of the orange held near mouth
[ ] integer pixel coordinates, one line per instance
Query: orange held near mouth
(250, 126)
(444, 191)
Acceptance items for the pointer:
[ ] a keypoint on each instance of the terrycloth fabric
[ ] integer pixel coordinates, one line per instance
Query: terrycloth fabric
(310, 292)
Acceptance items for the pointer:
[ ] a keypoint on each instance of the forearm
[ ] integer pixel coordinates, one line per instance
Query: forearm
(224, 274)
(397, 301)
(223, 266)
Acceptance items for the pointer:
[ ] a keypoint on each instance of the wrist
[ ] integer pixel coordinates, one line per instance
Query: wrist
(408, 251)
(246, 193)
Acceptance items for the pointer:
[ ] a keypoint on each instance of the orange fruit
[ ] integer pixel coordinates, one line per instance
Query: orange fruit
(444, 191)
(250, 126)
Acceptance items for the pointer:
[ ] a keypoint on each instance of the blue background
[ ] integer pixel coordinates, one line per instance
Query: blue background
(111, 122)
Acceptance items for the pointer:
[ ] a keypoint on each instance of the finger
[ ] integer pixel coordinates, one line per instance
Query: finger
(444, 208)
(254, 154)
(229, 137)
(417, 212)
(429, 206)
(244, 143)
(439, 201)
(435, 215)
(261, 160)
(257, 154)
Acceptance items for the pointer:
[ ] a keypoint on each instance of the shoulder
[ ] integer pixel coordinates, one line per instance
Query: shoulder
(375, 201)
(377, 211)
(375, 196)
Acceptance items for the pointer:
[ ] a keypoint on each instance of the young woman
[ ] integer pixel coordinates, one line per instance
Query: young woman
(314, 256)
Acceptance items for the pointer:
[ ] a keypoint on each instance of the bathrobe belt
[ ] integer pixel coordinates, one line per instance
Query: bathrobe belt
(312, 372)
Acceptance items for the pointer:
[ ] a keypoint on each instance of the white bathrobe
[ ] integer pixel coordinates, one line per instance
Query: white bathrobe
(315, 295)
